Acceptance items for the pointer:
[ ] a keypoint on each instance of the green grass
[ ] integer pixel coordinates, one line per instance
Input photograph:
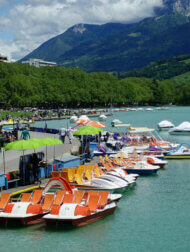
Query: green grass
(182, 78)
(14, 114)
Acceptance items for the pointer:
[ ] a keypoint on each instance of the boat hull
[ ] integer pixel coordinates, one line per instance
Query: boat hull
(84, 220)
(177, 157)
(141, 171)
(23, 221)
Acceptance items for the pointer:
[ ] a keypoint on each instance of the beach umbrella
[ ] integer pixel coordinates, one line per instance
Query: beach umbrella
(23, 145)
(87, 130)
(96, 124)
(81, 121)
(46, 141)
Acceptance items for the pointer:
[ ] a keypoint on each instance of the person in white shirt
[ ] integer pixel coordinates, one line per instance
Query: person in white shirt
(62, 132)
(70, 134)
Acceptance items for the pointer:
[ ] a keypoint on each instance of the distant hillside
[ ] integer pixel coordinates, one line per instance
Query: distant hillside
(163, 69)
(118, 47)
(79, 34)
(182, 78)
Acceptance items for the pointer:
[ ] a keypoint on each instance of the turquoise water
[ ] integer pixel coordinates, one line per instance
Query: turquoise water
(152, 216)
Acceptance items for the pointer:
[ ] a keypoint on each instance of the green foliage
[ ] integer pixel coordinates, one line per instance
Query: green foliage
(163, 68)
(23, 85)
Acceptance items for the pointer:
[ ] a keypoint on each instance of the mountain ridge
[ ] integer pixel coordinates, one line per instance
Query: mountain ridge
(115, 47)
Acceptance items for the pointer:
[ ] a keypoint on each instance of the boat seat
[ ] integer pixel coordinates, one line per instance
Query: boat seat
(130, 162)
(37, 195)
(104, 199)
(88, 175)
(78, 196)
(93, 192)
(5, 198)
(59, 197)
(97, 172)
(65, 169)
(89, 167)
(55, 174)
(48, 201)
(78, 179)
(68, 198)
(26, 197)
(92, 202)
(71, 174)
(65, 176)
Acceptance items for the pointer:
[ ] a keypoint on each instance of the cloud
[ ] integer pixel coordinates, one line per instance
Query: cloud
(32, 22)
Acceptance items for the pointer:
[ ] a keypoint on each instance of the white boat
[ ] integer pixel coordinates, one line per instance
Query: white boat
(115, 121)
(182, 152)
(73, 118)
(165, 125)
(84, 117)
(149, 109)
(182, 129)
(102, 118)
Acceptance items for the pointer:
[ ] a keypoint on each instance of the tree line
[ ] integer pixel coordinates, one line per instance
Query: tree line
(53, 87)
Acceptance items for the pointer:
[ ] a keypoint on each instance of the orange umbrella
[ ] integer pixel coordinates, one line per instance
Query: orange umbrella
(81, 121)
(95, 124)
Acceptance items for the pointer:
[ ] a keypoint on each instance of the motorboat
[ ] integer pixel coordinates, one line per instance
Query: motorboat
(182, 129)
(138, 167)
(165, 125)
(94, 177)
(182, 152)
(142, 168)
(115, 122)
(155, 161)
(102, 118)
(73, 118)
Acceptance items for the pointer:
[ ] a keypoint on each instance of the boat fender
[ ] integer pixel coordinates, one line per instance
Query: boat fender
(150, 160)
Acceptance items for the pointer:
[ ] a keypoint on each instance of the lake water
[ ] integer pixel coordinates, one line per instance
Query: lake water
(152, 216)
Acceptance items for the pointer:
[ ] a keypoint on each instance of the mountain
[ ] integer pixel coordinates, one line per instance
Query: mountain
(176, 67)
(164, 36)
(121, 47)
(181, 6)
(74, 36)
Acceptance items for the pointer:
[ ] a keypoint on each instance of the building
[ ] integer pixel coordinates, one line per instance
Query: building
(39, 62)
(3, 58)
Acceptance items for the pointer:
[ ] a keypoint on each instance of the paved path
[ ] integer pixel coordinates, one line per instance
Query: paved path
(12, 156)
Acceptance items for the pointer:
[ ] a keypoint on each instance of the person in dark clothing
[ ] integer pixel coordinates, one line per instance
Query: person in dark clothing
(35, 166)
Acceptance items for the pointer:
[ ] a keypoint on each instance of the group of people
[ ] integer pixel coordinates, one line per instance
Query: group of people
(63, 132)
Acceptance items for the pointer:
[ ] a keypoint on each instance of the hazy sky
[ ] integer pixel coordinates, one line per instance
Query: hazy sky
(25, 24)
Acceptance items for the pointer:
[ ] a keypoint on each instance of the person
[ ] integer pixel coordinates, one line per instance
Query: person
(70, 134)
(25, 134)
(62, 132)
(35, 161)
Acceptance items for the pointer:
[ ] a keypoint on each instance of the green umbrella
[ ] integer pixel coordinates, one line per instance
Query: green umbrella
(47, 141)
(23, 145)
(87, 130)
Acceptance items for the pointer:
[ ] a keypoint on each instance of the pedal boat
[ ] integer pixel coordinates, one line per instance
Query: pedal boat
(32, 207)
(93, 207)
